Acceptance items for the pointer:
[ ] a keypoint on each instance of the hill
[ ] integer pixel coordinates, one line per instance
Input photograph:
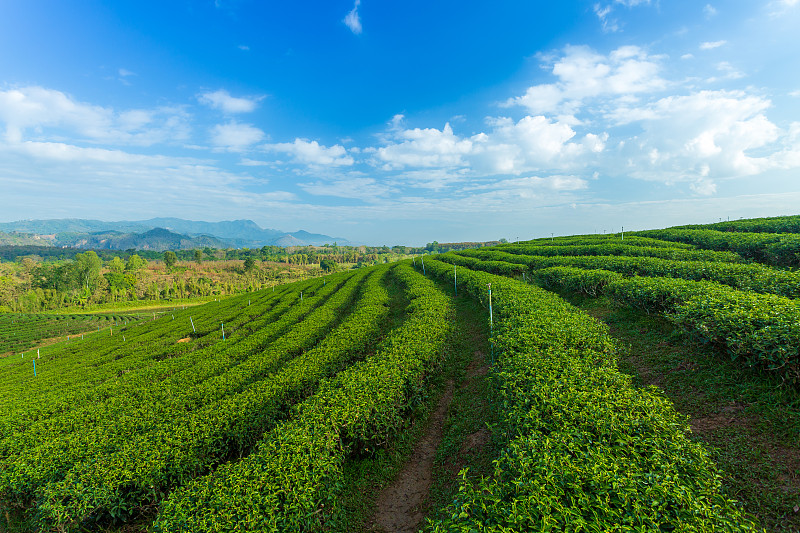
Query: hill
(230, 234)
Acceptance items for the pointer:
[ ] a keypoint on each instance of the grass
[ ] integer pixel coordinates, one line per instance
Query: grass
(749, 420)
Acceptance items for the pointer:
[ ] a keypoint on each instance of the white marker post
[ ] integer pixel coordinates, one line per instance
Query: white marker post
(223, 331)
(623, 233)
(423, 265)
(491, 322)
(192, 321)
(455, 280)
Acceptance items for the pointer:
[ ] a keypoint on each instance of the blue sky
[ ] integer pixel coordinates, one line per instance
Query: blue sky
(391, 122)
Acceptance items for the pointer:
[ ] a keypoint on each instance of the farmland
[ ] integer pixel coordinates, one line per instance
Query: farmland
(294, 408)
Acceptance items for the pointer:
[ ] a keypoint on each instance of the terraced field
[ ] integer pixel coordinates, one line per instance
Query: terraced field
(254, 412)
(21, 331)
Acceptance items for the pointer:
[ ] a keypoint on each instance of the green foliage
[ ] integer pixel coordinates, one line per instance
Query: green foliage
(135, 263)
(780, 249)
(758, 329)
(116, 265)
(87, 269)
(585, 450)
(290, 482)
(788, 224)
(328, 265)
(21, 331)
(170, 259)
(751, 277)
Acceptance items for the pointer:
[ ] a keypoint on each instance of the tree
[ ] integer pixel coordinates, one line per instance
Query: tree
(170, 258)
(504, 240)
(328, 265)
(116, 265)
(87, 268)
(249, 264)
(135, 263)
(198, 256)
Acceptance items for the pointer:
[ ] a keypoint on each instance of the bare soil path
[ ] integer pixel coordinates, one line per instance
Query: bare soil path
(402, 505)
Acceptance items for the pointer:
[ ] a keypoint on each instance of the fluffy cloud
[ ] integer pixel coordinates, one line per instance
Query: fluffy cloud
(235, 137)
(36, 109)
(700, 137)
(426, 147)
(222, 100)
(308, 152)
(508, 147)
(584, 74)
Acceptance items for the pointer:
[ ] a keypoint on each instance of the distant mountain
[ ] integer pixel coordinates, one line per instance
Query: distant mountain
(158, 240)
(184, 234)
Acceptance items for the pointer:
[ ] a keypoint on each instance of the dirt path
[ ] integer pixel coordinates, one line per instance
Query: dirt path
(400, 506)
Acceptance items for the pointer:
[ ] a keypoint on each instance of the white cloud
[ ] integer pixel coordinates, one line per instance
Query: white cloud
(235, 137)
(308, 152)
(243, 47)
(366, 189)
(729, 72)
(796, 93)
(427, 147)
(222, 100)
(704, 187)
(532, 143)
(352, 20)
(583, 73)
(700, 137)
(46, 113)
(709, 11)
(710, 45)
(603, 12)
(557, 183)
(125, 72)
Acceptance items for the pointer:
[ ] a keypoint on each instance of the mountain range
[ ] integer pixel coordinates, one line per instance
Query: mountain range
(162, 234)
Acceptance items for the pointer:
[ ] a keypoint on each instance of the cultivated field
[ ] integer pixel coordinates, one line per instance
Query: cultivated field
(302, 407)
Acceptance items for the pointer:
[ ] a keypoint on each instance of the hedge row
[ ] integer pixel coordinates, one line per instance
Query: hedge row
(620, 248)
(757, 329)
(140, 473)
(751, 277)
(780, 249)
(584, 449)
(291, 481)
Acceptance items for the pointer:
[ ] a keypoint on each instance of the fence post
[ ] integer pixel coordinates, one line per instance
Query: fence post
(491, 322)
